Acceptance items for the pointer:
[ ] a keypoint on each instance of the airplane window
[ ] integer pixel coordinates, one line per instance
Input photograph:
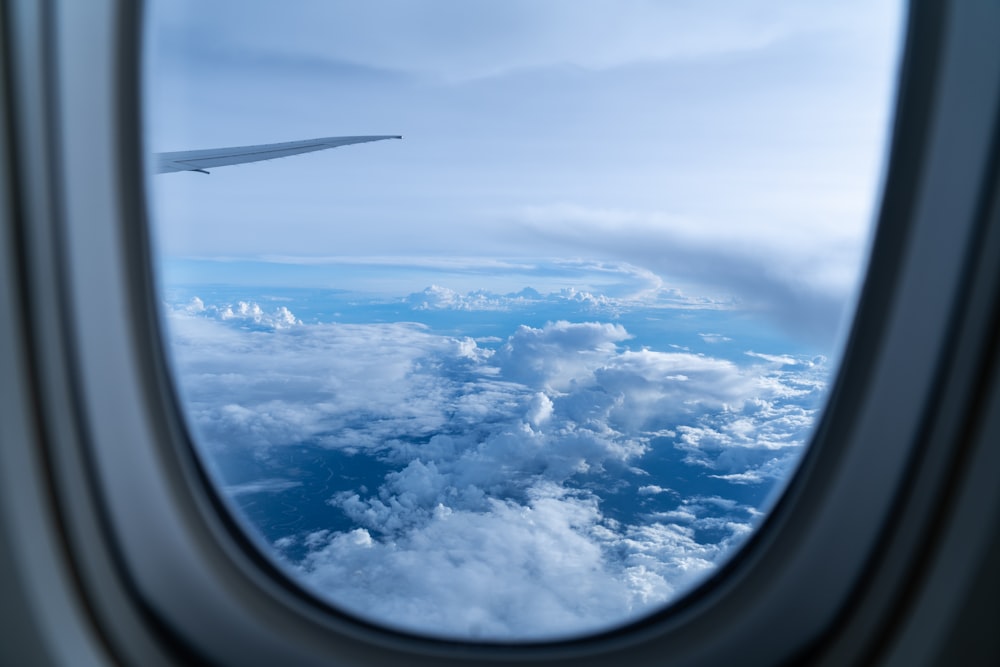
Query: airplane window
(539, 367)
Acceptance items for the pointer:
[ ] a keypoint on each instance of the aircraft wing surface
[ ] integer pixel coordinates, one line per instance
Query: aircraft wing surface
(200, 160)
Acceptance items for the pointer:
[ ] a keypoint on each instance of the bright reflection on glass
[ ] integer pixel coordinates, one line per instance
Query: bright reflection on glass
(538, 368)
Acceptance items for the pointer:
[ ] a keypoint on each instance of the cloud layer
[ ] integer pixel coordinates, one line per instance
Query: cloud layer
(524, 498)
(451, 39)
(737, 150)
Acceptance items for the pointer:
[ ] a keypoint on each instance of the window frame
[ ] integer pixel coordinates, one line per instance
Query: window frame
(161, 574)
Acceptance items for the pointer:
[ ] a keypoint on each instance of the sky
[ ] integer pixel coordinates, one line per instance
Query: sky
(571, 334)
(735, 152)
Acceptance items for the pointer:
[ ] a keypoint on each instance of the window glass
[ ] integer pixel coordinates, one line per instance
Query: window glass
(539, 367)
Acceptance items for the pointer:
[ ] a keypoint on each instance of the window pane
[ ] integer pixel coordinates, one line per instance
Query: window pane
(538, 368)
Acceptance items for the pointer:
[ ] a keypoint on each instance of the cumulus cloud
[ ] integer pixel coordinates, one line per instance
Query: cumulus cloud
(493, 519)
(436, 297)
(559, 354)
(244, 312)
(289, 385)
(261, 486)
(530, 569)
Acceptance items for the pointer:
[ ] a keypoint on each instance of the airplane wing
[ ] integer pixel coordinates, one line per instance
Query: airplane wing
(201, 160)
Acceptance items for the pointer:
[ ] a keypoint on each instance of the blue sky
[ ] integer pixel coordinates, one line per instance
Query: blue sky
(736, 151)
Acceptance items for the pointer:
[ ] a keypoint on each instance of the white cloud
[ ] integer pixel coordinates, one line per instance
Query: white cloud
(261, 486)
(486, 526)
(531, 569)
(560, 353)
(541, 409)
(248, 311)
(632, 287)
(436, 297)
(245, 312)
(780, 359)
(800, 275)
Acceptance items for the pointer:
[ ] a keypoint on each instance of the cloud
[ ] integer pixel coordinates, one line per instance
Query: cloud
(527, 569)
(244, 312)
(800, 275)
(532, 569)
(261, 486)
(560, 353)
(436, 297)
(760, 442)
(288, 385)
(453, 40)
(493, 521)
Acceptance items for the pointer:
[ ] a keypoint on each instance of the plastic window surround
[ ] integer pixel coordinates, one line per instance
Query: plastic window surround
(165, 577)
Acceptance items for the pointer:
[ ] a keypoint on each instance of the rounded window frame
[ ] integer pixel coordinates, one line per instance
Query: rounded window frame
(121, 459)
